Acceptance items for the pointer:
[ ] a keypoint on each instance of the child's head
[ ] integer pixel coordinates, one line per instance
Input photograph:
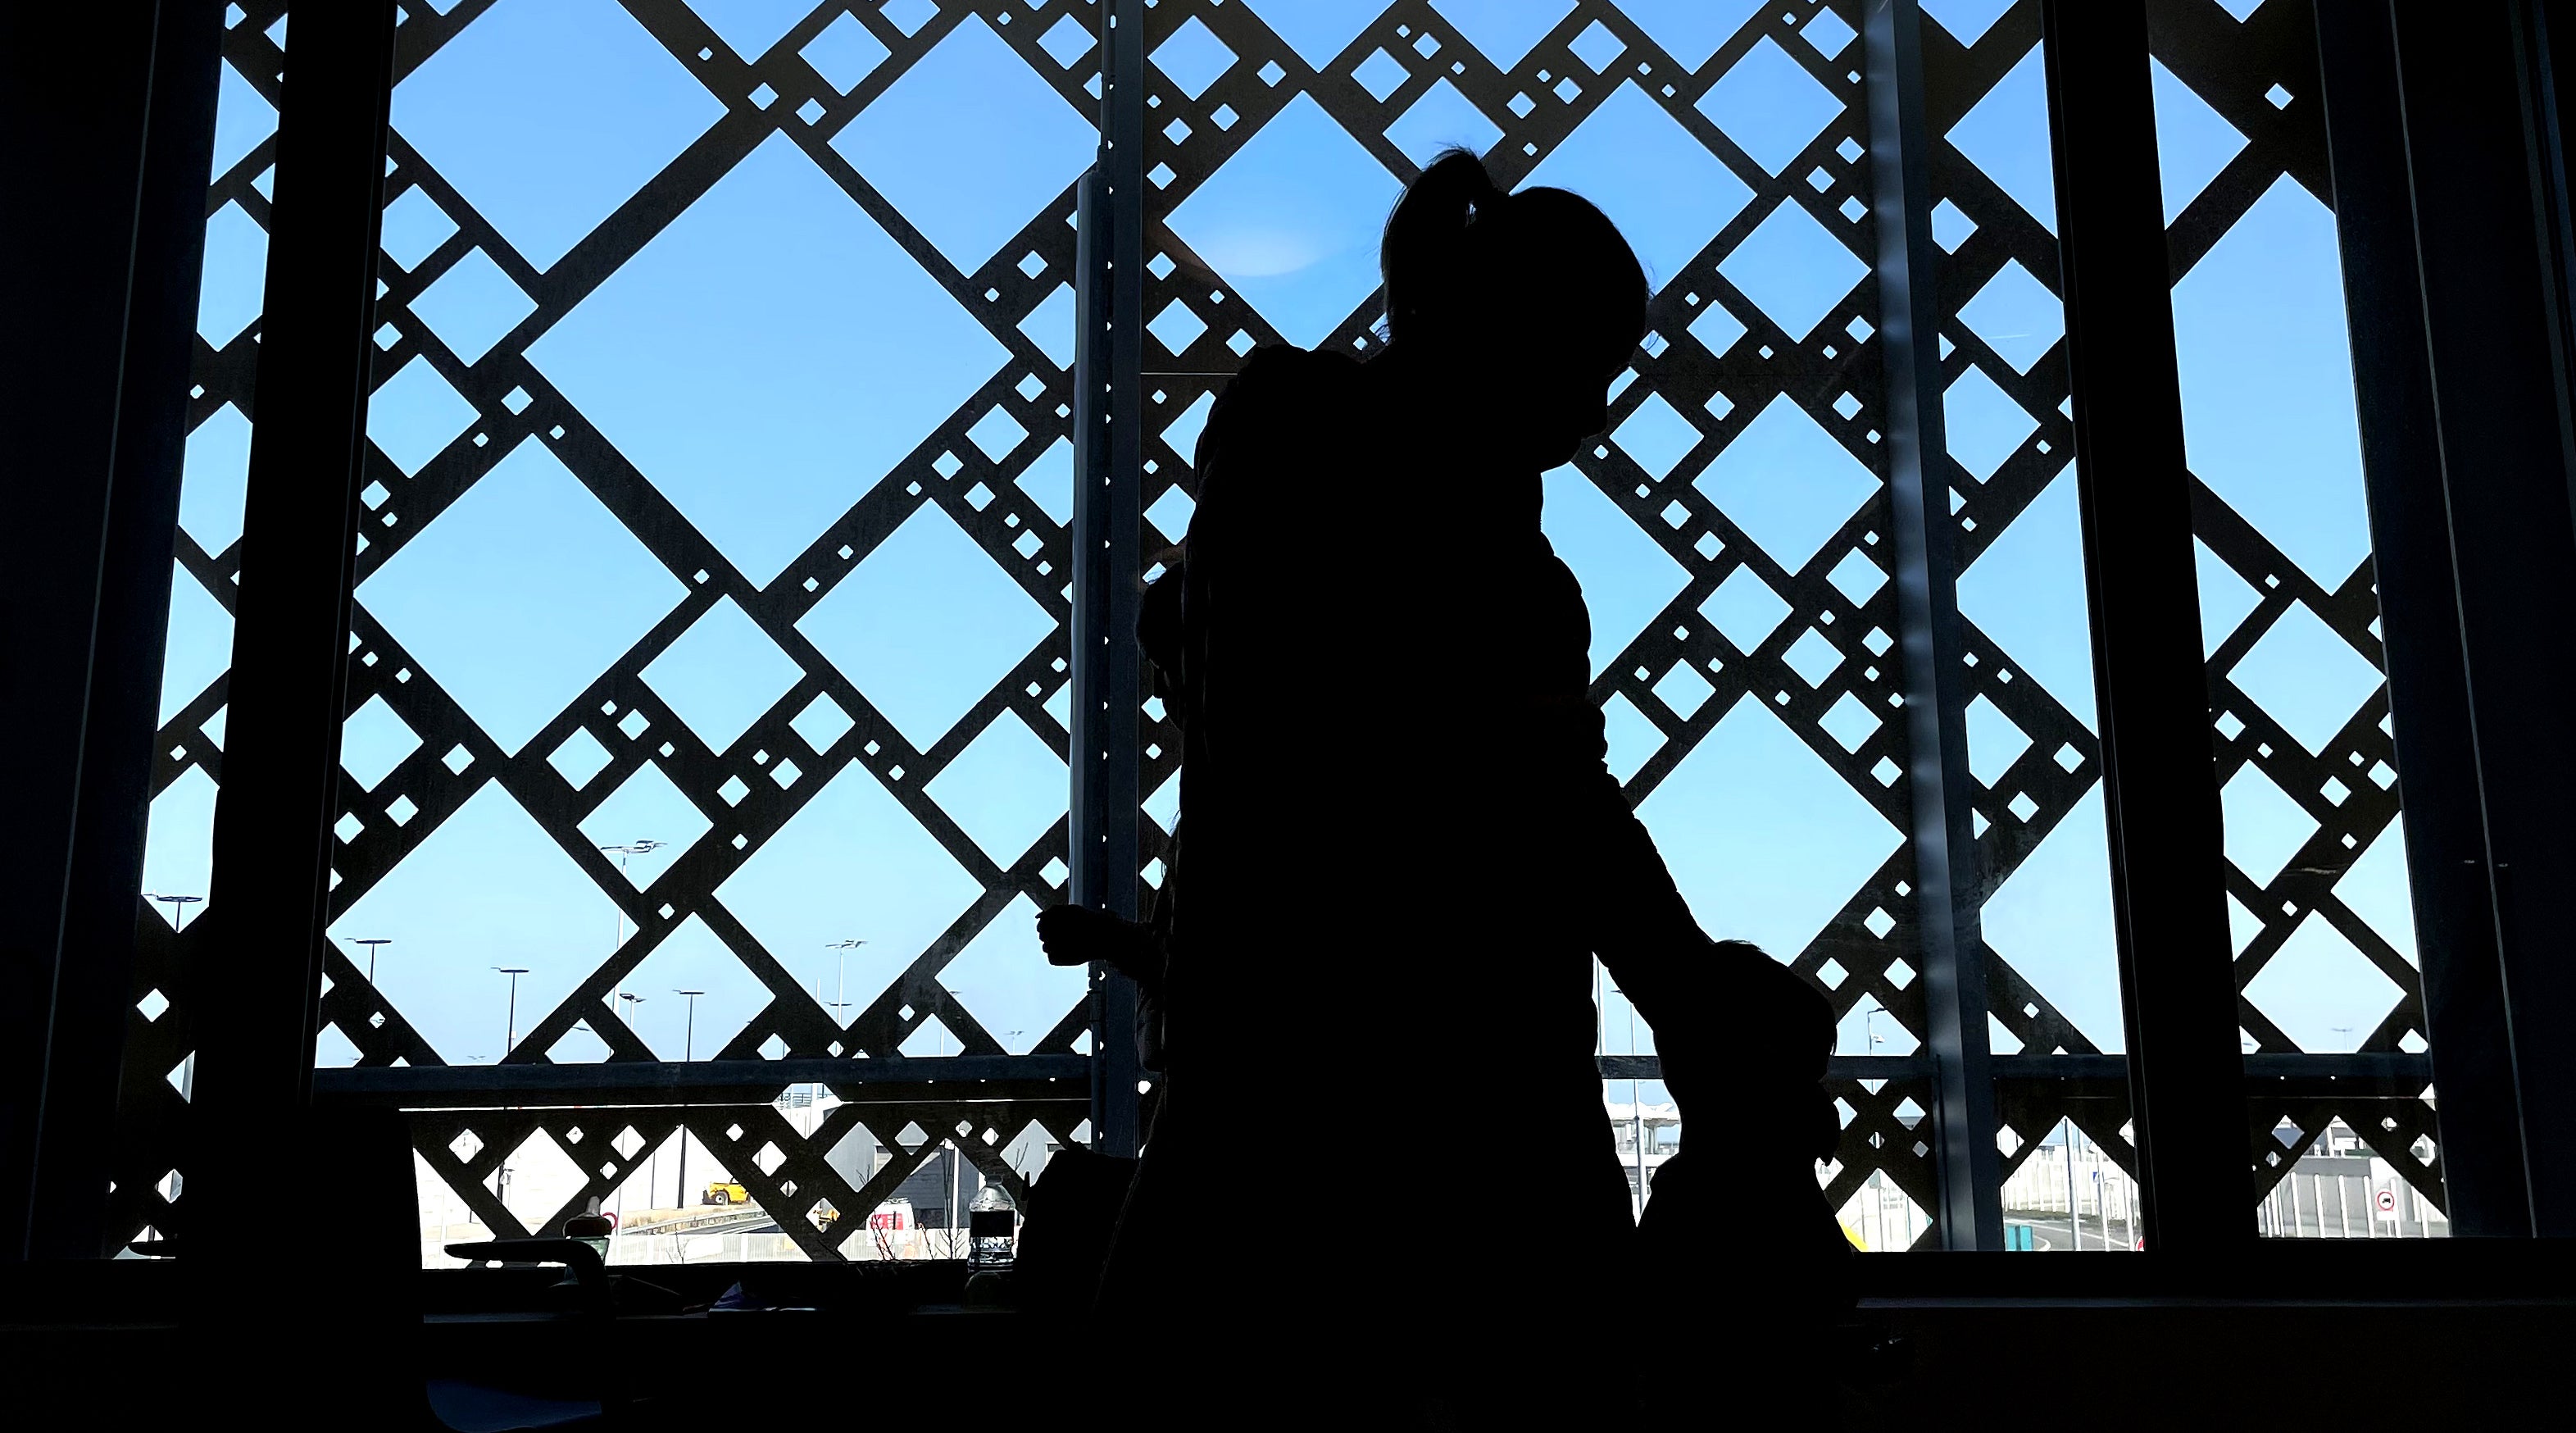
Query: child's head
(1531, 301)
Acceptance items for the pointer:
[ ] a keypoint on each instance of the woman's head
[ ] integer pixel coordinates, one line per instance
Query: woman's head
(1530, 301)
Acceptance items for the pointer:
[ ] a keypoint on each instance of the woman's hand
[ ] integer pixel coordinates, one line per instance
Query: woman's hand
(1078, 935)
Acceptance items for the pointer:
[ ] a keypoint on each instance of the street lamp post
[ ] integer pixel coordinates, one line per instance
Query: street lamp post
(1870, 1041)
(510, 1040)
(371, 943)
(178, 908)
(2074, 1224)
(639, 847)
(841, 994)
(688, 1052)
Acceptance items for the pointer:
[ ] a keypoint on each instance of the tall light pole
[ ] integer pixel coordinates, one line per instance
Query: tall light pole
(510, 1041)
(371, 942)
(1877, 1192)
(688, 1052)
(2074, 1225)
(1637, 1115)
(841, 995)
(689, 1032)
(641, 846)
(178, 908)
(631, 1001)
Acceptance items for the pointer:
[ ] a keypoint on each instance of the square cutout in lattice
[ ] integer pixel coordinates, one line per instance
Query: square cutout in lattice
(822, 723)
(1067, 41)
(1381, 74)
(1850, 722)
(909, 15)
(997, 433)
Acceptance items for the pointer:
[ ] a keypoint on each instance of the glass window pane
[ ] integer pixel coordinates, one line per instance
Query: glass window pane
(1729, 530)
(178, 851)
(2052, 954)
(2317, 887)
(708, 664)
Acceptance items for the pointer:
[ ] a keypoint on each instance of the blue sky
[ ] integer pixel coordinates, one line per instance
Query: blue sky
(770, 356)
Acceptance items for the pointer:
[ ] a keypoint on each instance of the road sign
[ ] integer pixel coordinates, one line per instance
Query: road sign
(2384, 1204)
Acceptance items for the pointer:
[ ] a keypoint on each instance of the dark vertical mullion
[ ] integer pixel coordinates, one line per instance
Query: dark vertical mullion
(2500, 408)
(1107, 542)
(257, 992)
(2160, 783)
(75, 88)
(2437, 767)
(1949, 887)
(94, 992)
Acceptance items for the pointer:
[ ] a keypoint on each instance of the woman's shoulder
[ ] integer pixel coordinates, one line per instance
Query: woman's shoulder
(1273, 417)
(1282, 375)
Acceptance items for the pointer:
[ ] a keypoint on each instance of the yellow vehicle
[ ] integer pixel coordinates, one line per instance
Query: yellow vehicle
(725, 1191)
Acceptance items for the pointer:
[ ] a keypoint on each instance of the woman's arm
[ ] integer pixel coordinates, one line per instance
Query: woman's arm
(1708, 1001)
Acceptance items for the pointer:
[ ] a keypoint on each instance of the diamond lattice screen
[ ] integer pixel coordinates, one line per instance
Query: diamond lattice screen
(2317, 886)
(713, 580)
(2317, 883)
(188, 762)
(1731, 530)
(712, 587)
(2050, 948)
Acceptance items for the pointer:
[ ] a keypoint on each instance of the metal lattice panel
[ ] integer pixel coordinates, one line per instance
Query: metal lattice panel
(754, 785)
(2253, 74)
(1227, 74)
(1764, 326)
(1999, 468)
(188, 758)
(781, 1166)
(2308, 740)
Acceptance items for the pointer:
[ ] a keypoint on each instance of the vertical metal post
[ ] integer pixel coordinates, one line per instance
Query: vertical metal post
(2160, 783)
(1949, 883)
(2074, 1219)
(110, 113)
(2419, 621)
(1107, 520)
(262, 928)
(95, 993)
(2487, 230)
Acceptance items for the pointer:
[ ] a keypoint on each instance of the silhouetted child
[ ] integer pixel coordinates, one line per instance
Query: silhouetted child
(1382, 1180)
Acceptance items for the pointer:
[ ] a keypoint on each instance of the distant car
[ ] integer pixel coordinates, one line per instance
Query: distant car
(892, 1216)
(725, 1191)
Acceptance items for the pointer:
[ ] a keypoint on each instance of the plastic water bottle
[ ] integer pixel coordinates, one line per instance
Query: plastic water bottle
(992, 1227)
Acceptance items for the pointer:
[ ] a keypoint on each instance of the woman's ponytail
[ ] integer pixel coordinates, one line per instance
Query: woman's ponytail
(1426, 257)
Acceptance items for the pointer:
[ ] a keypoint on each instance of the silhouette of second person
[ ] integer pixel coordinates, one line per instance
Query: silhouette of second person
(1381, 1161)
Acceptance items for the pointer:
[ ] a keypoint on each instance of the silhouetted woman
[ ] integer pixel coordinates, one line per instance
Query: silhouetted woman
(1382, 1170)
